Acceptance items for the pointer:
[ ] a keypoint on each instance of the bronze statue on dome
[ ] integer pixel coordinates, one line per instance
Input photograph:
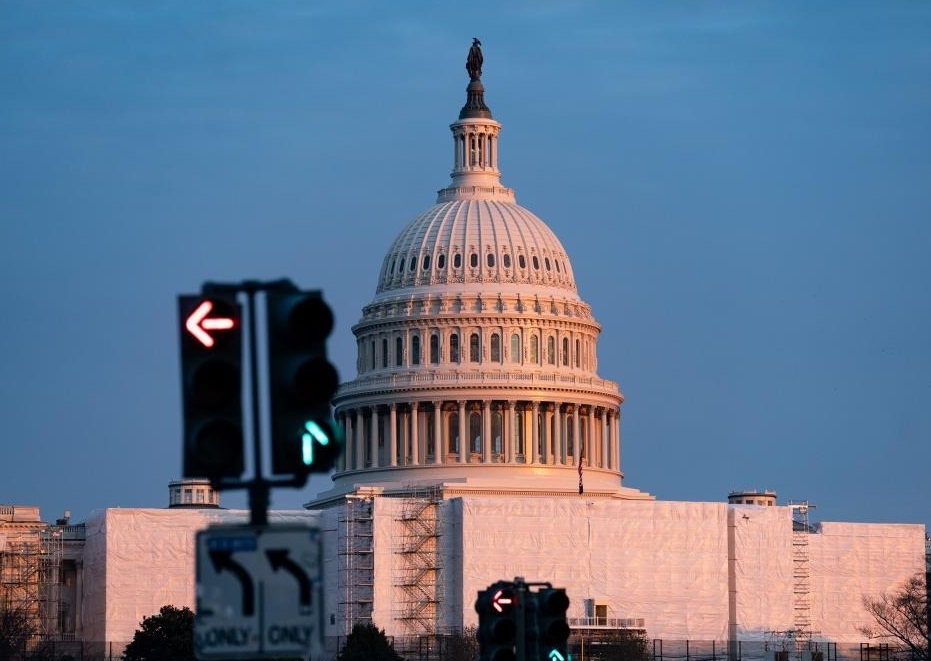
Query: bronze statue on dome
(474, 61)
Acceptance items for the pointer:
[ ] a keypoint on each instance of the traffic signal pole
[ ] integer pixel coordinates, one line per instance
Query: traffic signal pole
(259, 486)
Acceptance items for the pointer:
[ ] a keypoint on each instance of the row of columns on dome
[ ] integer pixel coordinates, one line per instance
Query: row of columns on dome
(499, 432)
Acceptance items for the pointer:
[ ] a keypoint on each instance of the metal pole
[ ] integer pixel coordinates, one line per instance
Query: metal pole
(258, 488)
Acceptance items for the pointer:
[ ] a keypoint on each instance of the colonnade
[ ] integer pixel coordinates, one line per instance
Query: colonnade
(485, 432)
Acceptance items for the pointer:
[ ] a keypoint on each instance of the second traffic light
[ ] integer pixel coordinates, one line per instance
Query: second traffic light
(305, 438)
(552, 627)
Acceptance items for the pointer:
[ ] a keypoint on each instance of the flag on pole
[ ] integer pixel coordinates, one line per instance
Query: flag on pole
(580, 475)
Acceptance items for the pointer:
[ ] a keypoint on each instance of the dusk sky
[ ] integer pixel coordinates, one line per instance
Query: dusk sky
(743, 188)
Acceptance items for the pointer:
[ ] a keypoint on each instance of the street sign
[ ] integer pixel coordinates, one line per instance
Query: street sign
(259, 593)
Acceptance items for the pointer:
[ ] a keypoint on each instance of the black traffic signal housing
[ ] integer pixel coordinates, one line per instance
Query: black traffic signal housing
(497, 609)
(552, 627)
(211, 385)
(301, 381)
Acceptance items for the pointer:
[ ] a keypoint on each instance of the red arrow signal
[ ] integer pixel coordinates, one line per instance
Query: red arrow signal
(198, 323)
(503, 600)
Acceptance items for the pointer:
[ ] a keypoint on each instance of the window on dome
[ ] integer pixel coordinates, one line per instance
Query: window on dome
(454, 348)
(384, 352)
(415, 350)
(400, 265)
(393, 263)
(536, 263)
(507, 261)
(475, 431)
(521, 262)
(457, 261)
(556, 261)
(495, 348)
(452, 432)
(546, 262)
(473, 348)
(373, 354)
(398, 351)
(435, 349)
(534, 349)
(426, 262)
(473, 260)
(441, 261)
(515, 348)
(578, 352)
(551, 350)
(413, 264)
(565, 351)
(491, 260)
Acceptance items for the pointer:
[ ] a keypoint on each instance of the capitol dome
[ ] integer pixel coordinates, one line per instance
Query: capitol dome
(477, 361)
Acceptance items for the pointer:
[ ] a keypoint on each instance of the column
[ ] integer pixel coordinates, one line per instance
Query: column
(576, 436)
(512, 432)
(360, 439)
(415, 440)
(373, 440)
(535, 433)
(347, 454)
(393, 436)
(616, 420)
(486, 431)
(463, 441)
(593, 459)
(438, 447)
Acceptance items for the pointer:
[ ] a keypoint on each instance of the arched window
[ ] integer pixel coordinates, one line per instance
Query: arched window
(473, 260)
(454, 348)
(536, 264)
(457, 261)
(507, 260)
(413, 263)
(435, 349)
(521, 262)
(534, 349)
(372, 361)
(515, 348)
(578, 352)
(490, 260)
(384, 352)
(398, 352)
(475, 431)
(565, 351)
(546, 261)
(441, 261)
(495, 348)
(426, 262)
(415, 350)
(551, 350)
(473, 348)
(519, 431)
(497, 426)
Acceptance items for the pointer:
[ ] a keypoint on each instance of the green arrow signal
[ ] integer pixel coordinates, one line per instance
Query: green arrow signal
(314, 433)
(556, 656)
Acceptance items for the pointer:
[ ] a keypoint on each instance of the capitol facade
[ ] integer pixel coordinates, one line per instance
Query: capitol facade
(482, 445)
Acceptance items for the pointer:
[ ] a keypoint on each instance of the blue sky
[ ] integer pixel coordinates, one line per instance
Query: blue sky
(743, 189)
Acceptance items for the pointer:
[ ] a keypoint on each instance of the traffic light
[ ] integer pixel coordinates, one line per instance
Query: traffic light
(551, 624)
(497, 624)
(305, 438)
(211, 384)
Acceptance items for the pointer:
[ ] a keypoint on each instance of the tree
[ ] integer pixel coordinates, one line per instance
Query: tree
(461, 646)
(16, 628)
(368, 643)
(901, 618)
(168, 636)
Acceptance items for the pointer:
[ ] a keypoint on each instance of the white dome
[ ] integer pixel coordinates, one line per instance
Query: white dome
(476, 244)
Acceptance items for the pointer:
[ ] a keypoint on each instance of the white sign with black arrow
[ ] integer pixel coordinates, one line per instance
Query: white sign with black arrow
(258, 592)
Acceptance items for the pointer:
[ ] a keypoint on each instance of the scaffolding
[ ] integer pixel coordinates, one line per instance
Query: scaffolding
(418, 592)
(30, 570)
(357, 555)
(801, 573)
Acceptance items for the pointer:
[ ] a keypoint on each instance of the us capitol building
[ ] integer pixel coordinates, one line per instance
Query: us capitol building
(482, 444)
